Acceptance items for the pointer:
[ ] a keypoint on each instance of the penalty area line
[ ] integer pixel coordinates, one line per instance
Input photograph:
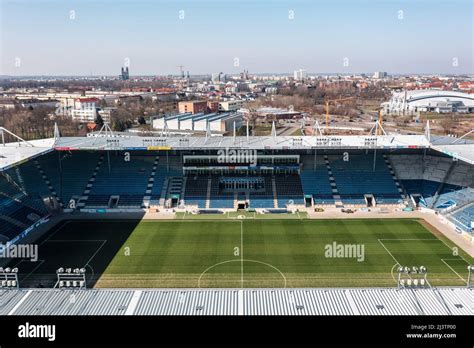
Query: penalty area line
(443, 260)
(425, 239)
(388, 251)
(93, 255)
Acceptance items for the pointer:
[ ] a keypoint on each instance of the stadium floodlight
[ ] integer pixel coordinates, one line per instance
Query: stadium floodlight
(71, 278)
(9, 277)
(470, 269)
(412, 276)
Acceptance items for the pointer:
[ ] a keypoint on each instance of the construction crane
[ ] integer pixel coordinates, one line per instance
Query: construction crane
(379, 129)
(328, 101)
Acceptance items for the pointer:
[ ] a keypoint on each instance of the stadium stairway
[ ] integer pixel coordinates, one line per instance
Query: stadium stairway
(85, 195)
(48, 183)
(236, 200)
(27, 177)
(208, 193)
(164, 189)
(332, 182)
(358, 177)
(174, 187)
(121, 181)
(68, 173)
(151, 182)
(275, 195)
(394, 177)
(315, 180)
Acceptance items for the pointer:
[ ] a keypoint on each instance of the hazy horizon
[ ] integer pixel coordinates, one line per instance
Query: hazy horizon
(80, 38)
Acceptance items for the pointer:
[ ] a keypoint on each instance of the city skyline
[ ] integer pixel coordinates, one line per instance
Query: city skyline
(84, 38)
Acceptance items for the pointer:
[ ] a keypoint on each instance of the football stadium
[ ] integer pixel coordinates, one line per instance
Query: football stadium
(121, 224)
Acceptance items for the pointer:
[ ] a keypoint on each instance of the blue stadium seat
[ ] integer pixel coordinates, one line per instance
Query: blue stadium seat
(76, 167)
(464, 218)
(357, 177)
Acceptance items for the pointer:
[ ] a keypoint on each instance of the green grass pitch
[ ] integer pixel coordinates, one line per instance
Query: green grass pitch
(245, 253)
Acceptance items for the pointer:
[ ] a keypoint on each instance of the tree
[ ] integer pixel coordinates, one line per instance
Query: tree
(99, 121)
(447, 124)
(141, 120)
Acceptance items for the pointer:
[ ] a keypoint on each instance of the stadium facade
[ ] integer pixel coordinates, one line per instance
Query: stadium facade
(110, 172)
(121, 172)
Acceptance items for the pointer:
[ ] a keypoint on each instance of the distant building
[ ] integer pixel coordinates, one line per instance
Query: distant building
(217, 122)
(194, 106)
(270, 113)
(212, 106)
(84, 110)
(7, 103)
(429, 101)
(231, 89)
(299, 75)
(230, 105)
(33, 103)
(124, 76)
(271, 90)
(380, 75)
(245, 75)
(218, 77)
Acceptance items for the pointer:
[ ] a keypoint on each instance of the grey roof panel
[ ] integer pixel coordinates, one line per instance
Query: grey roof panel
(331, 301)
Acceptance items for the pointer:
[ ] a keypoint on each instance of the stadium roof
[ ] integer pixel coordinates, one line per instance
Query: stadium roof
(253, 142)
(461, 148)
(14, 153)
(310, 301)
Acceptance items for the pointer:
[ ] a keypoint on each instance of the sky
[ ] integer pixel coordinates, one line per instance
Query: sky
(84, 37)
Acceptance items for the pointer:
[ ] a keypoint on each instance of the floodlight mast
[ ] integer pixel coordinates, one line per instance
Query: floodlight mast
(405, 276)
(72, 278)
(9, 278)
(470, 270)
